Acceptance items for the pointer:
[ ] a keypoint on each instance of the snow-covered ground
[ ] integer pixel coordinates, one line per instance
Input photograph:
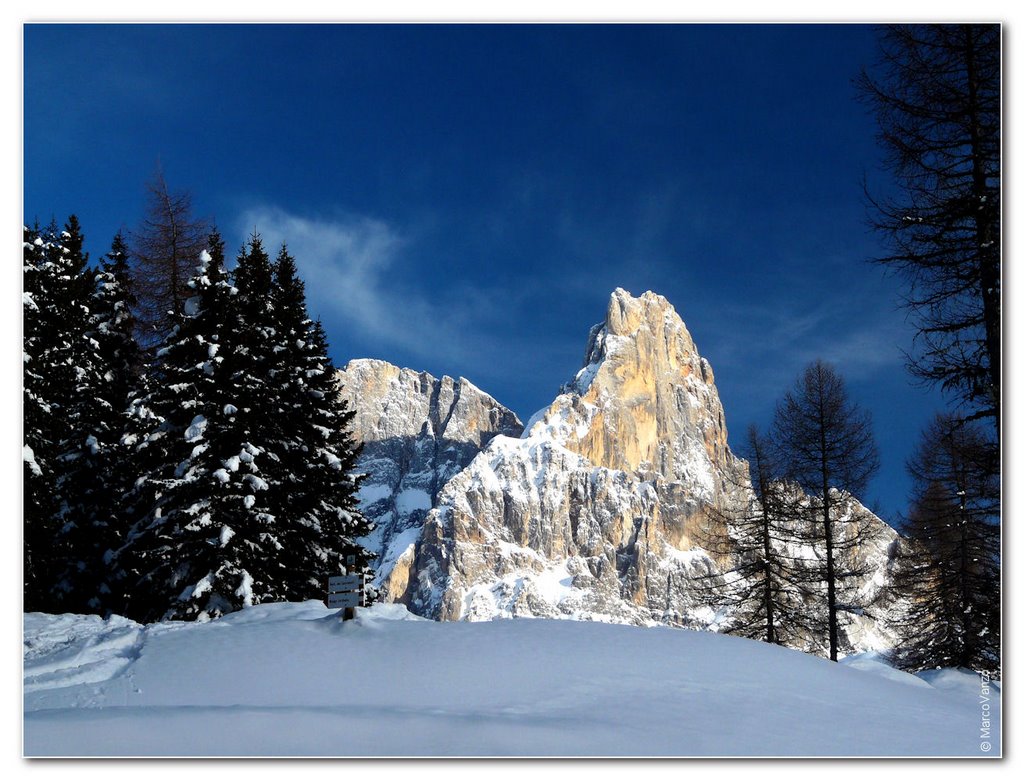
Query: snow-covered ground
(291, 679)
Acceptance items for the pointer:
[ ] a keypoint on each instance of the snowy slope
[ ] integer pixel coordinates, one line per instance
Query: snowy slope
(290, 679)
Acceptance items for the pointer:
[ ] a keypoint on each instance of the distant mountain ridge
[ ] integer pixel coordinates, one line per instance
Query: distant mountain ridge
(593, 510)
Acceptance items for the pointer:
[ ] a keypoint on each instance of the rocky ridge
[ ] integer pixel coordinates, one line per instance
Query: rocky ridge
(594, 511)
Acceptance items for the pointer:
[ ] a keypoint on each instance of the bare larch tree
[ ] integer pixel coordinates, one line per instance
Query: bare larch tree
(936, 95)
(826, 447)
(165, 253)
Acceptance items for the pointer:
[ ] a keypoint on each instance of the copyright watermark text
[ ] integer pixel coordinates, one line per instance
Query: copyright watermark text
(985, 701)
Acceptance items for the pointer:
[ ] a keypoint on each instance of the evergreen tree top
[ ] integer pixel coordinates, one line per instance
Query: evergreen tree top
(216, 247)
(254, 275)
(289, 296)
(115, 272)
(73, 241)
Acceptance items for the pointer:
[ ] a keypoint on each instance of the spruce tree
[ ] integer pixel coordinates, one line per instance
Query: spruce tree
(190, 553)
(39, 449)
(255, 352)
(331, 474)
(317, 490)
(98, 474)
(115, 324)
(80, 422)
(68, 422)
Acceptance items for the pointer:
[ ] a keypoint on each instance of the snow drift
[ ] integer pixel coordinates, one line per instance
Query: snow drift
(292, 680)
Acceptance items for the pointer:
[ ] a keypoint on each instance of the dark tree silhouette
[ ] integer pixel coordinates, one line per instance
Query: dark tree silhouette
(165, 250)
(42, 268)
(68, 421)
(945, 587)
(98, 472)
(826, 446)
(317, 492)
(936, 95)
(114, 309)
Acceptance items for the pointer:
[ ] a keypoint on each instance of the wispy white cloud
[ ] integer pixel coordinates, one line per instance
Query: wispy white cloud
(862, 351)
(357, 271)
(344, 261)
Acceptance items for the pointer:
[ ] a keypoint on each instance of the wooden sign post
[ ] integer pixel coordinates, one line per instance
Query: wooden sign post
(345, 592)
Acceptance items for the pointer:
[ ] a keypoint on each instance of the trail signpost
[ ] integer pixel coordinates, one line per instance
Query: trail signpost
(345, 592)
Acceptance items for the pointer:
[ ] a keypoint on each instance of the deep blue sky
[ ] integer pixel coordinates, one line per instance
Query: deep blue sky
(462, 200)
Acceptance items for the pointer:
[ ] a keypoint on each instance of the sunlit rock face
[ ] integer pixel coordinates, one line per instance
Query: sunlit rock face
(596, 510)
(645, 401)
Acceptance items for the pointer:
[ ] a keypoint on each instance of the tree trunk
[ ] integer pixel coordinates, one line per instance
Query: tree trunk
(769, 610)
(830, 577)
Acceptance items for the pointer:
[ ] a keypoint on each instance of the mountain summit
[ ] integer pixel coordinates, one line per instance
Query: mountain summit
(593, 510)
(645, 401)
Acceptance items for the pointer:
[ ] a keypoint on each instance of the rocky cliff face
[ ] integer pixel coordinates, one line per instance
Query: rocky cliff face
(645, 401)
(594, 511)
(417, 432)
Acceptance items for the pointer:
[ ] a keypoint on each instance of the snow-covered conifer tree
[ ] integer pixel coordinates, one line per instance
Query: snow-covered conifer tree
(100, 469)
(192, 550)
(206, 541)
(68, 422)
(39, 447)
(316, 495)
(247, 494)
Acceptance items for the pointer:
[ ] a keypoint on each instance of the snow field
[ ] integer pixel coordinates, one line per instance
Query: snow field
(292, 680)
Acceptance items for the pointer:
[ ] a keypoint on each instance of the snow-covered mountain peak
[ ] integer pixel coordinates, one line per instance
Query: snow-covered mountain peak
(595, 512)
(592, 512)
(392, 402)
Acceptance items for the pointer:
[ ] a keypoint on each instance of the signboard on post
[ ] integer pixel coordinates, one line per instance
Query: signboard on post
(343, 600)
(345, 592)
(344, 582)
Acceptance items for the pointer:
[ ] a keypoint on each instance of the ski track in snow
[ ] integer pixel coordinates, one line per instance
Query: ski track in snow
(291, 679)
(73, 650)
